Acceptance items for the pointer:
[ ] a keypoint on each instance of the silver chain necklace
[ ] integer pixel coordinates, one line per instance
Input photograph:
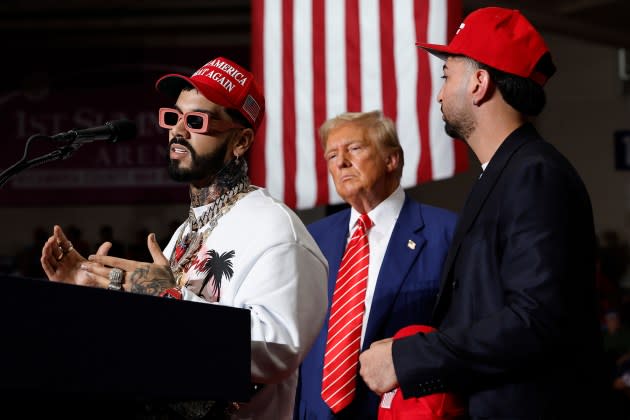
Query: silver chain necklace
(191, 242)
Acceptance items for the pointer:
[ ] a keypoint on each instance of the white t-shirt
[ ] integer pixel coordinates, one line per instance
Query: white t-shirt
(280, 275)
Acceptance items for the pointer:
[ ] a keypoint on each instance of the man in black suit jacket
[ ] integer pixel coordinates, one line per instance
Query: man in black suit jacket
(516, 314)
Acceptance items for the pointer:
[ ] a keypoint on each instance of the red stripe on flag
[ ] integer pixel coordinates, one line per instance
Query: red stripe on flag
(424, 92)
(462, 161)
(319, 96)
(353, 56)
(257, 169)
(454, 19)
(288, 104)
(388, 64)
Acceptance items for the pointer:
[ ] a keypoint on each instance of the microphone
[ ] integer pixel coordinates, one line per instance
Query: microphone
(112, 131)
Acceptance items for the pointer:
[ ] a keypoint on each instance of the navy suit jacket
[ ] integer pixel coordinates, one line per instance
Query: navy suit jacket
(516, 315)
(405, 293)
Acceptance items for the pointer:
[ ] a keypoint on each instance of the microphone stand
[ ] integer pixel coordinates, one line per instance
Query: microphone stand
(61, 153)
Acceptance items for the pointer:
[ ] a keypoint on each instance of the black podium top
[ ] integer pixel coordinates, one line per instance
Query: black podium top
(64, 341)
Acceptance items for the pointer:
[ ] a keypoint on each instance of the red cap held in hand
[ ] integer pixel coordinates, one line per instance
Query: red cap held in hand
(441, 406)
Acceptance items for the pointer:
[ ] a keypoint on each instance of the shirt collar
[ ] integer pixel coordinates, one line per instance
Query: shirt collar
(385, 213)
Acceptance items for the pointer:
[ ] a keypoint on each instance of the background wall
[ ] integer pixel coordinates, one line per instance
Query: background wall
(586, 106)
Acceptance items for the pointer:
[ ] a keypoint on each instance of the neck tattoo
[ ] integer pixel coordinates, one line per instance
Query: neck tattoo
(226, 190)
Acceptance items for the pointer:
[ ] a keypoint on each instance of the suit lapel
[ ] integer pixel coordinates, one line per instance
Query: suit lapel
(403, 249)
(476, 198)
(336, 245)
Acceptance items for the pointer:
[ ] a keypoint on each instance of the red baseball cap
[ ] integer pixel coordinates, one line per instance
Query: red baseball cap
(223, 82)
(500, 38)
(439, 406)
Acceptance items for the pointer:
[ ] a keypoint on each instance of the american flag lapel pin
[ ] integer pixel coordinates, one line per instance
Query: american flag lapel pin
(411, 244)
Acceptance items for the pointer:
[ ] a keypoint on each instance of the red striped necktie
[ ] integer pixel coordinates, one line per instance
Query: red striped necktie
(346, 319)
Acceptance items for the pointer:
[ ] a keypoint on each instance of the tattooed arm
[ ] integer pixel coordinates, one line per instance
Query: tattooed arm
(150, 279)
(139, 277)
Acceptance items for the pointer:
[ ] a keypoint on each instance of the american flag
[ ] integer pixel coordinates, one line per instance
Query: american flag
(318, 58)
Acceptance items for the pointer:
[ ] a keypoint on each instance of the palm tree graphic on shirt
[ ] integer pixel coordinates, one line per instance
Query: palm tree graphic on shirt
(216, 267)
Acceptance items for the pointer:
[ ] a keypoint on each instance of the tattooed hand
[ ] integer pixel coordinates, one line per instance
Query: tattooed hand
(139, 277)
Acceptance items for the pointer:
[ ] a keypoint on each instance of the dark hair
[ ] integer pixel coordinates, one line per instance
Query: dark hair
(238, 117)
(522, 94)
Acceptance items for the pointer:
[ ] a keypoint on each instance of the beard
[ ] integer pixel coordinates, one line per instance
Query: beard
(459, 127)
(202, 166)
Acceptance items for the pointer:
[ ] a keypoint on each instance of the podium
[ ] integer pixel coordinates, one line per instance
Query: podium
(75, 346)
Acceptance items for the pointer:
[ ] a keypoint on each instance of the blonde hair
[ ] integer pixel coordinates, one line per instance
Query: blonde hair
(379, 129)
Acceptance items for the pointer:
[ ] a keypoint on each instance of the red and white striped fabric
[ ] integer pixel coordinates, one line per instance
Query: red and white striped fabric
(318, 58)
(346, 320)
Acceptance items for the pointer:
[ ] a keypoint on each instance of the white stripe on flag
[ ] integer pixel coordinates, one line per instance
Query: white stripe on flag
(336, 89)
(442, 151)
(369, 29)
(306, 178)
(274, 149)
(378, 82)
(407, 82)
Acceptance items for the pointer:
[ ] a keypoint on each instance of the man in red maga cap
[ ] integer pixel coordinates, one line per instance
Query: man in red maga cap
(237, 247)
(517, 329)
